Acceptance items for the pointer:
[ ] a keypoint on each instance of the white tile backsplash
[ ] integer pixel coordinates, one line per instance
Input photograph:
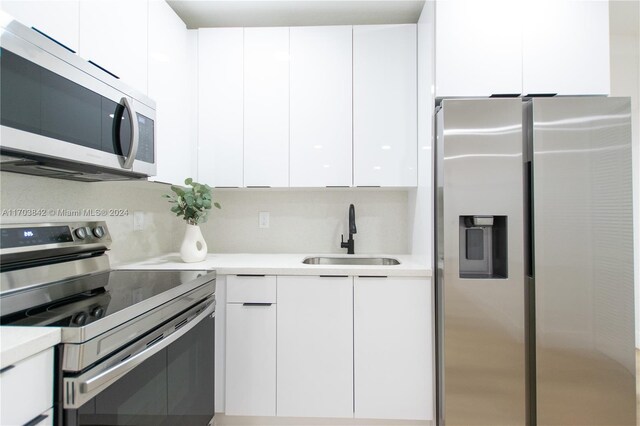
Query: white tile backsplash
(307, 221)
(38, 193)
(300, 221)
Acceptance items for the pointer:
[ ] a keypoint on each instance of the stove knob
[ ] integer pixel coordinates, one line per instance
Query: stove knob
(98, 231)
(98, 312)
(81, 233)
(80, 319)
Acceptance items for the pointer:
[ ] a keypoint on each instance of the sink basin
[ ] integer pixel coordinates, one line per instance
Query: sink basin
(328, 260)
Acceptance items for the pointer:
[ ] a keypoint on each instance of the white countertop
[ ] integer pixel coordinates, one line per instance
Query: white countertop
(284, 264)
(18, 343)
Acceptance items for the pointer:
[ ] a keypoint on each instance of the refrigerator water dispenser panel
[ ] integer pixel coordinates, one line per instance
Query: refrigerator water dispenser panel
(483, 247)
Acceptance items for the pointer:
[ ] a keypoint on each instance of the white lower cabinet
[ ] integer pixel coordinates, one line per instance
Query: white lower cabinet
(251, 346)
(251, 371)
(335, 346)
(392, 348)
(315, 346)
(27, 390)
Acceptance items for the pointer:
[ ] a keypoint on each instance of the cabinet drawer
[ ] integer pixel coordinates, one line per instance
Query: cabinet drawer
(251, 289)
(27, 389)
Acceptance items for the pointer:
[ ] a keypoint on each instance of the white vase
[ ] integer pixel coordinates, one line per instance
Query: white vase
(193, 248)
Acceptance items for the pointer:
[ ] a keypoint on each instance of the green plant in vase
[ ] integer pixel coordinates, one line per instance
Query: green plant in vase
(192, 203)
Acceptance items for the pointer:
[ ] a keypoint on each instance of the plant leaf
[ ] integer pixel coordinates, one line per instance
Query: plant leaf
(178, 190)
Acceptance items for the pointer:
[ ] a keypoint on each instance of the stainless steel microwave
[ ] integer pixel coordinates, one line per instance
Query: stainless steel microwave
(64, 117)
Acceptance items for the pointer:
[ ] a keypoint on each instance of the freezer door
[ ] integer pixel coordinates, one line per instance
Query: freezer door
(583, 267)
(480, 273)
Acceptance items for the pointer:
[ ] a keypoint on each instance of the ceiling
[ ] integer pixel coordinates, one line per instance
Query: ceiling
(276, 13)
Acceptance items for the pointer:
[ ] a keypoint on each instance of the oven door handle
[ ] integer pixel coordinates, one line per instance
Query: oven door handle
(107, 377)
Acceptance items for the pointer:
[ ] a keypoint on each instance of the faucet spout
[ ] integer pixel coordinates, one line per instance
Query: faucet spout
(352, 220)
(349, 244)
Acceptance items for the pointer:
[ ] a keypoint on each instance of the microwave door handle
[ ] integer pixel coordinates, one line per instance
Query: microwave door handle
(135, 133)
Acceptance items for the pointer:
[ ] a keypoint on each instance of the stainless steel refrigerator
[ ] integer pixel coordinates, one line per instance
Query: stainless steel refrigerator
(534, 262)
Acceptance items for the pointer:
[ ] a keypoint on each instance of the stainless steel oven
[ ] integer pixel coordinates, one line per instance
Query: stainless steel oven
(64, 117)
(137, 346)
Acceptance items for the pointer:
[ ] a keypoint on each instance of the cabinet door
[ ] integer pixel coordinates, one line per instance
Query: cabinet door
(266, 107)
(27, 389)
(58, 19)
(321, 99)
(566, 47)
(384, 105)
(315, 347)
(251, 360)
(393, 348)
(168, 62)
(220, 100)
(113, 34)
(479, 47)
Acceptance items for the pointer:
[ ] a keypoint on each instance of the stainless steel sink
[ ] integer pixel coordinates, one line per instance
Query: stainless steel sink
(328, 260)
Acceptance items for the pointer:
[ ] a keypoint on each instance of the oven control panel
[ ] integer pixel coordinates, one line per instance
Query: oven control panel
(14, 236)
(31, 236)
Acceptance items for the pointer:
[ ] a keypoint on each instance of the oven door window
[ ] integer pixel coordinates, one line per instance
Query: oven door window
(173, 387)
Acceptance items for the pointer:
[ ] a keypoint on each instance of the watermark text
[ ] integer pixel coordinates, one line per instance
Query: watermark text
(63, 212)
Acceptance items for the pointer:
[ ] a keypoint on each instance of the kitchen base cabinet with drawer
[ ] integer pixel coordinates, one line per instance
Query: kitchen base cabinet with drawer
(250, 388)
(329, 347)
(315, 346)
(27, 391)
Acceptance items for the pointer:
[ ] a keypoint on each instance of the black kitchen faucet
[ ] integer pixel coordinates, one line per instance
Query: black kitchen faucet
(352, 230)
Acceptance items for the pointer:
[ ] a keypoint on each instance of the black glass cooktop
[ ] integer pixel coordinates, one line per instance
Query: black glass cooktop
(101, 295)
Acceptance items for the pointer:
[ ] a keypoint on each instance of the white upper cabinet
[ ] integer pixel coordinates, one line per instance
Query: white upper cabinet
(528, 47)
(321, 98)
(220, 124)
(57, 19)
(168, 56)
(266, 107)
(566, 47)
(384, 105)
(479, 47)
(113, 34)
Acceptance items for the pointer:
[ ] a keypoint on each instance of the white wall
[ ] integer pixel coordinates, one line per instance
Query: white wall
(32, 192)
(625, 81)
(307, 221)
